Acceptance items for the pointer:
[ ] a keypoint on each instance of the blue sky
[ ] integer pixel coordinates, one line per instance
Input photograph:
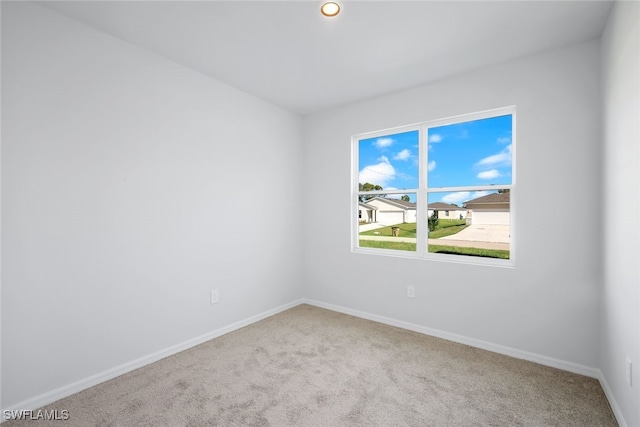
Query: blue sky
(462, 154)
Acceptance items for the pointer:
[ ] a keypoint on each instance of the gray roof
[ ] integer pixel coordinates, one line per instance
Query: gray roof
(404, 203)
(493, 198)
(364, 205)
(440, 206)
(397, 202)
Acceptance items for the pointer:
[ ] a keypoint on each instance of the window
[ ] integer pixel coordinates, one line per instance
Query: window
(438, 190)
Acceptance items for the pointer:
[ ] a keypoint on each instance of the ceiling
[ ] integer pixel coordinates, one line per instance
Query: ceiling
(287, 53)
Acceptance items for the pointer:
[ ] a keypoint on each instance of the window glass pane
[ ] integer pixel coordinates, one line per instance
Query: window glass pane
(387, 222)
(388, 162)
(470, 153)
(478, 224)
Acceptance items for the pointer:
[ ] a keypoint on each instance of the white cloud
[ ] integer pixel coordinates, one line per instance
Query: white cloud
(383, 142)
(457, 198)
(431, 165)
(378, 174)
(490, 174)
(403, 155)
(435, 138)
(505, 140)
(503, 158)
(462, 197)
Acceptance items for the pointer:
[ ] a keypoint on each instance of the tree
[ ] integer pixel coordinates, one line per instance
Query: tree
(433, 221)
(504, 190)
(368, 187)
(405, 198)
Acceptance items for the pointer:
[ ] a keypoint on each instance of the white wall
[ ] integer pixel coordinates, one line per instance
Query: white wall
(547, 304)
(621, 191)
(131, 187)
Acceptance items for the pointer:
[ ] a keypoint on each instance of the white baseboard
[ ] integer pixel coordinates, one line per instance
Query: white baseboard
(64, 391)
(496, 348)
(612, 401)
(519, 354)
(69, 389)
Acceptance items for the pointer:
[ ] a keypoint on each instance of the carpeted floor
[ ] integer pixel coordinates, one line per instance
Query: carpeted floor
(313, 367)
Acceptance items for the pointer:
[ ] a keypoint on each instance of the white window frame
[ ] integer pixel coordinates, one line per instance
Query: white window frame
(423, 190)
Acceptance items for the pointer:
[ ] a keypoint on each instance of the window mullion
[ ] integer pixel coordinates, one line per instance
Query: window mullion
(471, 188)
(421, 196)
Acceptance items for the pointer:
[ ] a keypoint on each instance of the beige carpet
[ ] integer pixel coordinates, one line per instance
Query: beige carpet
(313, 367)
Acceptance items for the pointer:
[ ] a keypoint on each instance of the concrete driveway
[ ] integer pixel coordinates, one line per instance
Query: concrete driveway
(482, 233)
(474, 236)
(372, 226)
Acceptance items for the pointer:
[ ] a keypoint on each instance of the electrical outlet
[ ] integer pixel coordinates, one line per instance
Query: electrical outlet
(411, 291)
(629, 369)
(215, 296)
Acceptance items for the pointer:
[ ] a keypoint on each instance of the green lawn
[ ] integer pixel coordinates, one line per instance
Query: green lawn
(398, 246)
(446, 227)
(406, 246)
(406, 230)
(487, 253)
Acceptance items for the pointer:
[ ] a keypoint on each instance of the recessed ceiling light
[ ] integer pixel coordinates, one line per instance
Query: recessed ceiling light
(330, 9)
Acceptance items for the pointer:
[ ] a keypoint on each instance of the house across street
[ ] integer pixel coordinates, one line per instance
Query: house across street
(488, 219)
